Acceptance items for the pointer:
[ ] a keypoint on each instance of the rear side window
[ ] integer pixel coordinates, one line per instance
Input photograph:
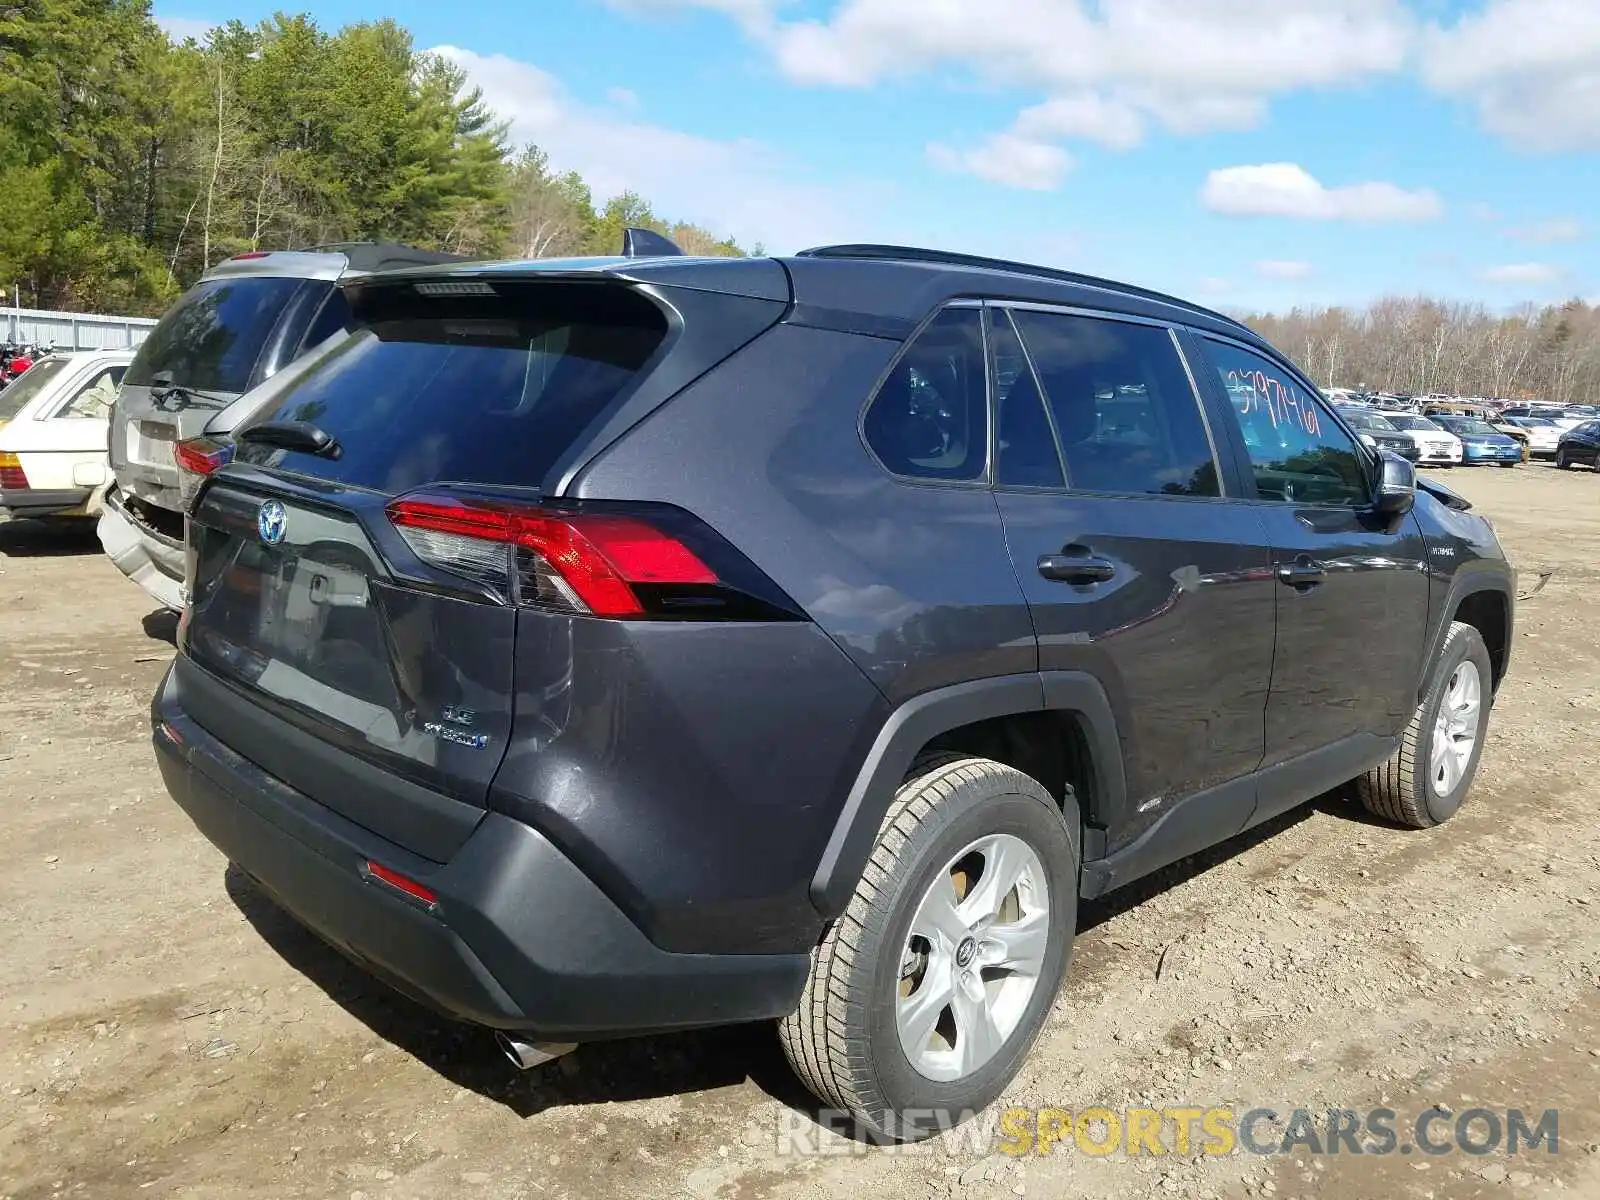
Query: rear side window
(930, 419)
(465, 389)
(95, 398)
(212, 338)
(1124, 411)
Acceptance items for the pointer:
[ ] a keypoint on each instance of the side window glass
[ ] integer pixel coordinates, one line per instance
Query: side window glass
(94, 400)
(1297, 453)
(930, 419)
(1125, 413)
(1025, 447)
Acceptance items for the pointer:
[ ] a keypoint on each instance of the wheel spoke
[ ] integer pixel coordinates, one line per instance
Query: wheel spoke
(937, 917)
(1003, 864)
(977, 1036)
(1447, 781)
(919, 1012)
(1019, 945)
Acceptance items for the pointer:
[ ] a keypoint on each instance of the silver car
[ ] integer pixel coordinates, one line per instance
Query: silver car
(202, 371)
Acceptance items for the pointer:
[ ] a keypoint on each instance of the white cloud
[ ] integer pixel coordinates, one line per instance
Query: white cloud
(1519, 274)
(1280, 268)
(179, 28)
(623, 97)
(1215, 285)
(1007, 159)
(1557, 229)
(1110, 69)
(1483, 212)
(1289, 190)
(738, 187)
(1531, 67)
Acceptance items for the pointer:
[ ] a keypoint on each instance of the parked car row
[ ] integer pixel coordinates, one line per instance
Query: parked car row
(1450, 439)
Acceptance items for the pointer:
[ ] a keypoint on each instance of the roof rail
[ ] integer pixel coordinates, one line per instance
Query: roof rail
(950, 258)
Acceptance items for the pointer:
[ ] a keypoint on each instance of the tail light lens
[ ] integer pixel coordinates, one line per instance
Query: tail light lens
(12, 476)
(602, 564)
(202, 455)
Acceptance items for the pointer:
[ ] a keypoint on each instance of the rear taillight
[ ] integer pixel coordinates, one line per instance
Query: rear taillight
(601, 564)
(202, 455)
(12, 476)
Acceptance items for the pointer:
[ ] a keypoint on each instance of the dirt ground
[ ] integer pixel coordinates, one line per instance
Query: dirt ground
(164, 1032)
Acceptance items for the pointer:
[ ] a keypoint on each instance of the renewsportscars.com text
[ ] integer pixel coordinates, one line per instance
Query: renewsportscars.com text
(1185, 1130)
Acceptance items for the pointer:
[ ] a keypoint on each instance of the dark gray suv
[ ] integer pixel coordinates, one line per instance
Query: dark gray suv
(602, 647)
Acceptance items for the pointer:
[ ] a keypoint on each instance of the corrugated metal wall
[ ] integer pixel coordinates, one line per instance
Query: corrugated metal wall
(73, 331)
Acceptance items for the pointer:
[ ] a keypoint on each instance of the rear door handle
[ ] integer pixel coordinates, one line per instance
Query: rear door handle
(1076, 568)
(1302, 573)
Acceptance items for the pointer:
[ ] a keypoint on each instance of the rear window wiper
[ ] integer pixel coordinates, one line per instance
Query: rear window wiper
(293, 435)
(173, 397)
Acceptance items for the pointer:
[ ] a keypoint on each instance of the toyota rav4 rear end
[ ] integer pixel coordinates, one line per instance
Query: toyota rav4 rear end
(512, 749)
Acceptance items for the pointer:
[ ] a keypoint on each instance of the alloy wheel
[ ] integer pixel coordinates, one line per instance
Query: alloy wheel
(972, 957)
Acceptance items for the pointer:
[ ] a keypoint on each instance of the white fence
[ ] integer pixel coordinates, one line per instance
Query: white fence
(73, 331)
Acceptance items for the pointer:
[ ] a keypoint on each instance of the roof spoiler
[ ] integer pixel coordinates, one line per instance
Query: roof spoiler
(647, 243)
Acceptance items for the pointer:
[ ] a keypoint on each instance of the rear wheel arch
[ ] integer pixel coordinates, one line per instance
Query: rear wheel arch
(1056, 727)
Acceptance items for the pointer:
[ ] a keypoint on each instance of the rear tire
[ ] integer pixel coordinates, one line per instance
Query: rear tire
(912, 1018)
(1425, 781)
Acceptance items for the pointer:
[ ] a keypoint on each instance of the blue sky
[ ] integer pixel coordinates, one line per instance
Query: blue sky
(1246, 153)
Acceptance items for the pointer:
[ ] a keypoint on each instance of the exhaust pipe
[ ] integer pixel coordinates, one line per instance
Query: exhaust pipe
(527, 1055)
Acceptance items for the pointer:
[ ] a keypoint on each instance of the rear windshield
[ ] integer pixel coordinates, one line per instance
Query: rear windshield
(1370, 421)
(28, 385)
(211, 338)
(467, 390)
(1402, 421)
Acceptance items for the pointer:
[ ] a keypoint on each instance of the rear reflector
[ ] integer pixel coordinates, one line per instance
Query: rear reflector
(249, 254)
(12, 476)
(400, 883)
(202, 455)
(569, 562)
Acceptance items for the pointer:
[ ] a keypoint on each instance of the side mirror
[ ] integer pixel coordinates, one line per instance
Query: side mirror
(1367, 440)
(1397, 486)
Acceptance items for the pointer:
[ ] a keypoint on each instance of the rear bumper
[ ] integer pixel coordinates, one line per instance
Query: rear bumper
(37, 502)
(519, 937)
(151, 559)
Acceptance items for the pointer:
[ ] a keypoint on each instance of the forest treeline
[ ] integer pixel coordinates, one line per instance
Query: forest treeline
(1417, 345)
(129, 163)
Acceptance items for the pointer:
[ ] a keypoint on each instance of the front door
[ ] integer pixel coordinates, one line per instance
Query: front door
(1352, 592)
(1137, 568)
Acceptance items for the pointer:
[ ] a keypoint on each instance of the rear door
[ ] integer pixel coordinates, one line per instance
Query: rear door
(1139, 565)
